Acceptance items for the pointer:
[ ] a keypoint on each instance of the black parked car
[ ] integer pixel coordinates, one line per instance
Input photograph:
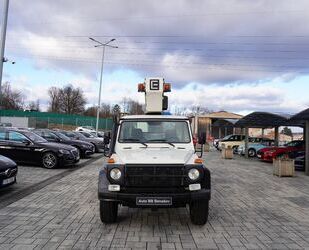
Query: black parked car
(299, 157)
(97, 142)
(84, 148)
(27, 147)
(8, 171)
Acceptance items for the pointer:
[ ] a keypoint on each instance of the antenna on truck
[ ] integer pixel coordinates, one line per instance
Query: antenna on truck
(154, 89)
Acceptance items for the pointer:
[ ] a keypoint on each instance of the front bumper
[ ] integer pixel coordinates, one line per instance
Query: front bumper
(68, 159)
(178, 199)
(8, 179)
(88, 152)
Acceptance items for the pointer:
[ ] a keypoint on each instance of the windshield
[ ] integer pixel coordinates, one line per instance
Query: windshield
(34, 137)
(88, 135)
(293, 144)
(62, 136)
(80, 135)
(155, 131)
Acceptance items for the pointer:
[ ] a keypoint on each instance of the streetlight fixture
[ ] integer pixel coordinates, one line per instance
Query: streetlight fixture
(103, 45)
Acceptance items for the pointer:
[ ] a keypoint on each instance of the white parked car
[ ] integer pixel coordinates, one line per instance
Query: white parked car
(88, 129)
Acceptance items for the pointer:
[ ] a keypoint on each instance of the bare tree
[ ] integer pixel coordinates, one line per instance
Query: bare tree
(105, 111)
(91, 111)
(11, 99)
(68, 100)
(54, 100)
(34, 105)
(132, 107)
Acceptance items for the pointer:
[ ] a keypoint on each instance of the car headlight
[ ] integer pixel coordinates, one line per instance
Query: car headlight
(64, 151)
(193, 174)
(115, 174)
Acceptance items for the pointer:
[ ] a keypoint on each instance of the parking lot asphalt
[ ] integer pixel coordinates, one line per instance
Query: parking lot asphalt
(250, 209)
(32, 178)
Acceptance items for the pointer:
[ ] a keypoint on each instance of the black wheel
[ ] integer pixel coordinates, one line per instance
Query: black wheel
(251, 152)
(49, 160)
(235, 149)
(108, 211)
(199, 212)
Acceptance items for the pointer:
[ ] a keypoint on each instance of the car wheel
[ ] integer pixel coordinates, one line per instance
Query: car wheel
(199, 212)
(235, 149)
(49, 160)
(251, 152)
(108, 211)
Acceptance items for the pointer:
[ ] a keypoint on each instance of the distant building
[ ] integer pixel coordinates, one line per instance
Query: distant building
(216, 124)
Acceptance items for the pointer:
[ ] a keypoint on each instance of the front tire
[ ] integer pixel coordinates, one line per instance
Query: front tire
(49, 160)
(251, 152)
(108, 211)
(199, 212)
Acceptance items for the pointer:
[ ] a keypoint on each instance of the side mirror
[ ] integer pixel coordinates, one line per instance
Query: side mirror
(26, 142)
(202, 138)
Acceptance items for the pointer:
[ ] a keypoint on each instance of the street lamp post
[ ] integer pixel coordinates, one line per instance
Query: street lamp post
(103, 45)
(2, 45)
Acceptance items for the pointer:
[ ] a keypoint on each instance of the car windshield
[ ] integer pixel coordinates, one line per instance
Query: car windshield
(34, 137)
(62, 136)
(226, 137)
(293, 144)
(80, 135)
(154, 131)
(88, 135)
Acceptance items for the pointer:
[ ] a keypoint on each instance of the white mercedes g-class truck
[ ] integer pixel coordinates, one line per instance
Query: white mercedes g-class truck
(153, 163)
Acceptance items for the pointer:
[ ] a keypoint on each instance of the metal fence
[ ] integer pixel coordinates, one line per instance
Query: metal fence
(54, 120)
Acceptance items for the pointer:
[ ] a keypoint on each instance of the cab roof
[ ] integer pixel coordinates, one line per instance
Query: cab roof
(166, 117)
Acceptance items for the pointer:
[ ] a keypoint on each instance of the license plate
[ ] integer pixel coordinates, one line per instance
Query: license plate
(8, 181)
(154, 201)
(259, 156)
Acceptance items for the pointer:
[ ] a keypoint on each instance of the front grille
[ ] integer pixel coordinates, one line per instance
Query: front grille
(8, 172)
(154, 175)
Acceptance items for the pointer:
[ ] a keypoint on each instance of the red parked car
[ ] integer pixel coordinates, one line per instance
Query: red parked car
(269, 153)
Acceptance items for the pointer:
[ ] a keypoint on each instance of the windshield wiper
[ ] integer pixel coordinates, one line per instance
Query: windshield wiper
(161, 140)
(136, 140)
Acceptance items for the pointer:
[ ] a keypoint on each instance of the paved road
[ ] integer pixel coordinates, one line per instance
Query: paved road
(250, 208)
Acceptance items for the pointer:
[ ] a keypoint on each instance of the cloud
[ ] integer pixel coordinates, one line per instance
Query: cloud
(236, 98)
(206, 41)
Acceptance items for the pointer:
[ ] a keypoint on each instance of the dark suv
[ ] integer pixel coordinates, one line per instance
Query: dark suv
(27, 147)
(84, 148)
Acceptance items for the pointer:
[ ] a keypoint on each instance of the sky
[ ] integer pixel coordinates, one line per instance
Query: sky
(239, 56)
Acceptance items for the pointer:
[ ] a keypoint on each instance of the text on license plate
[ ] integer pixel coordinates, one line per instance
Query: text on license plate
(8, 181)
(154, 201)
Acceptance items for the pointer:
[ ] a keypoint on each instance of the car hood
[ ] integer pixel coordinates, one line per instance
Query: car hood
(6, 162)
(155, 155)
(94, 140)
(55, 145)
(79, 142)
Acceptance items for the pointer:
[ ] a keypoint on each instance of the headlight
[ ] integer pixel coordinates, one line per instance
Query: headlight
(115, 174)
(64, 151)
(193, 174)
